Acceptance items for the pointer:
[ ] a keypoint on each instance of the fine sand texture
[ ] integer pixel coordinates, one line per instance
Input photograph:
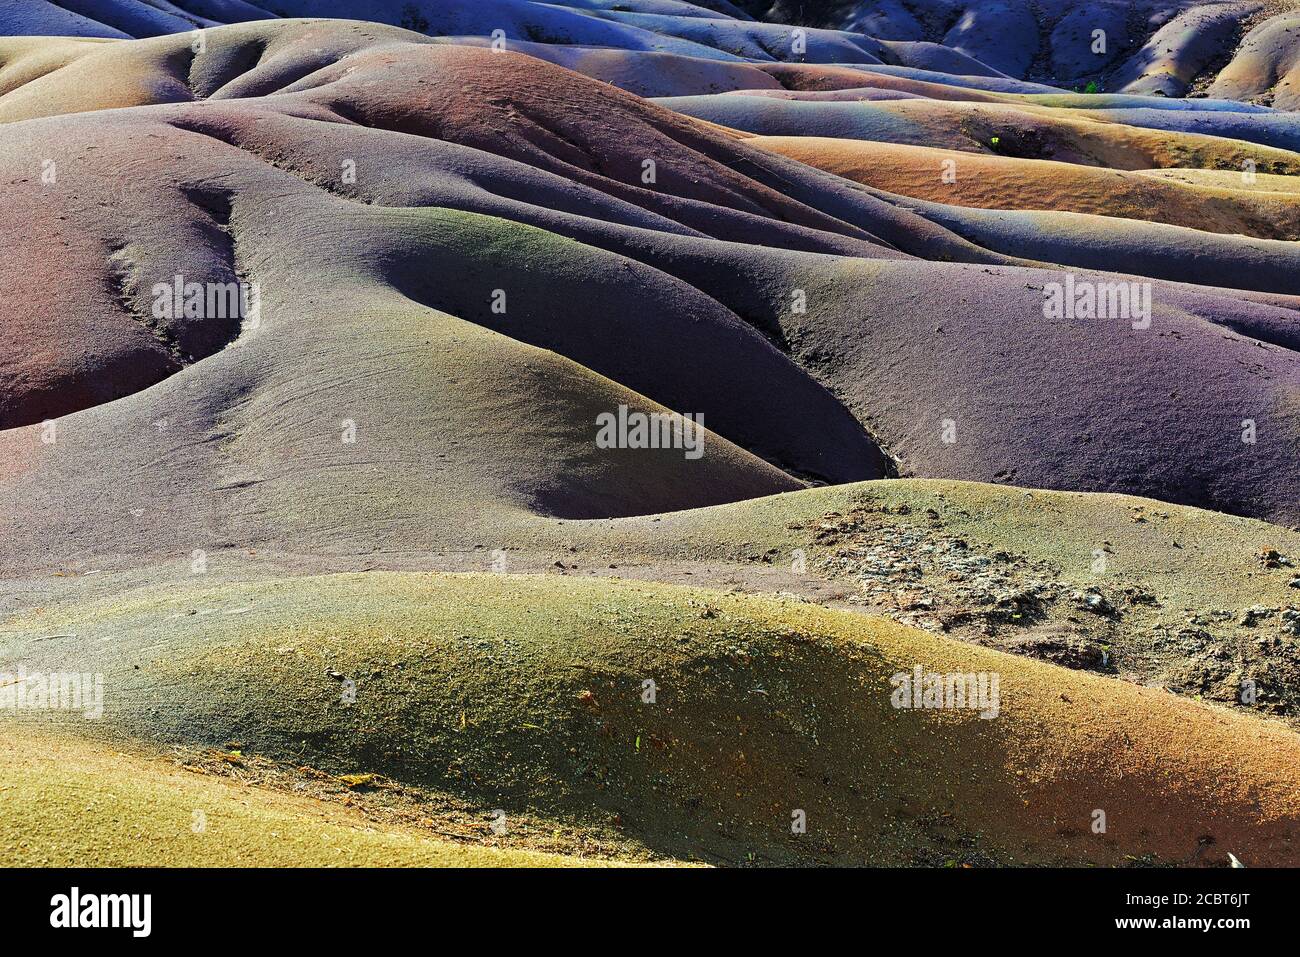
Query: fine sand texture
(503, 433)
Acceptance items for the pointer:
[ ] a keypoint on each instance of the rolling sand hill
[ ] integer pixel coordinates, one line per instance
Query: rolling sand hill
(1243, 49)
(354, 568)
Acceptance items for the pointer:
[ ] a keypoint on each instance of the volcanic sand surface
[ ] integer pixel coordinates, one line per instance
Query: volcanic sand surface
(1243, 49)
(219, 442)
(1220, 202)
(73, 802)
(526, 691)
(746, 291)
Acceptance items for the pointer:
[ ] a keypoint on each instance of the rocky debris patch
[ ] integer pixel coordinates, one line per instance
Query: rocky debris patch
(1291, 617)
(1062, 644)
(935, 580)
(1093, 601)
(1261, 673)
(908, 567)
(1256, 614)
(1272, 558)
(1241, 657)
(924, 576)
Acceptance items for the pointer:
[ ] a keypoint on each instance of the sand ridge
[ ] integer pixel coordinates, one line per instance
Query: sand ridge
(352, 565)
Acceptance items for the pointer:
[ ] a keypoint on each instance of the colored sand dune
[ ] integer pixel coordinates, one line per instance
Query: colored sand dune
(312, 316)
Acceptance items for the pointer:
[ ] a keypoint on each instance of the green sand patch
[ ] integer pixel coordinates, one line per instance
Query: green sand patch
(697, 723)
(67, 802)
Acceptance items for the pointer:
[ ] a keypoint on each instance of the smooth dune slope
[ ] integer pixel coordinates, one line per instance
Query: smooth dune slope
(1240, 49)
(75, 803)
(343, 354)
(742, 254)
(527, 692)
(1227, 205)
(1130, 139)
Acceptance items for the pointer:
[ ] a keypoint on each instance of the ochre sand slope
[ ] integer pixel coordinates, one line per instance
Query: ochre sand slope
(74, 802)
(527, 691)
(1265, 206)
